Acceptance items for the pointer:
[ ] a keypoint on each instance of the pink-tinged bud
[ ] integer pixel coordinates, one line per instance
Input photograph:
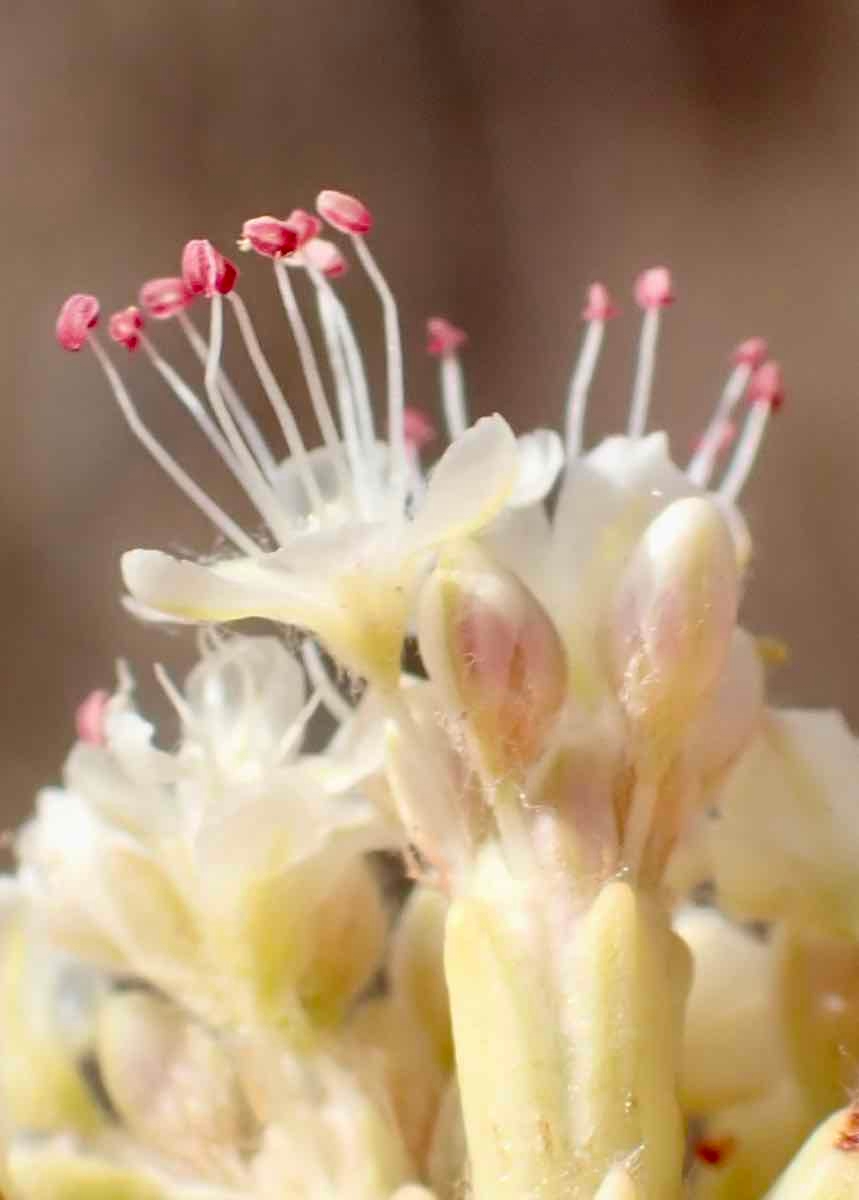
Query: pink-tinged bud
(600, 306)
(750, 353)
(654, 288)
(268, 236)
(305, 225)
(164, 298)
(321, 255)
(344, 212)
(418, 428)
(125, 326)
(443, 337)
(495, 656)
(77, 317)
(90, 718)
(674, 619)
(766, 386)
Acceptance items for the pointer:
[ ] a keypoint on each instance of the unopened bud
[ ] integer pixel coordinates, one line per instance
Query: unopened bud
(164, 298)
(268, 236)
(77, 317)
(344, 212)
(674, 618)
(125, 326)
(495, 655)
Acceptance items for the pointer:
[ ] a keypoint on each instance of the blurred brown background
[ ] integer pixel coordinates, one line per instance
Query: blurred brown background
(512, 152)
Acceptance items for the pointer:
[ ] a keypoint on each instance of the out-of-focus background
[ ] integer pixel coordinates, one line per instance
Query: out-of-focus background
(512, 152)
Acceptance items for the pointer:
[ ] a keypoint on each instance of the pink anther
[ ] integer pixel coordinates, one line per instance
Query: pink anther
(322, 255)
(418, 428)
(305, 224)
(654, 288)
(600, 306)
(344, 212)
(90, 718)
(750, 353)
(125, 326)
(766, 386)
(726, 438)
(77, 317)
(268, 236)
(443, 337)
(201, 267)
(164, 298)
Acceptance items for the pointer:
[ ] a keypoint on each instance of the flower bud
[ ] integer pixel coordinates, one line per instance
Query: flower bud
(675, 614)
(493, 652)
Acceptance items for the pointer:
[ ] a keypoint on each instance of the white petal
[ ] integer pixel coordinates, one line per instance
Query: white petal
(541, 457)
(471, 483)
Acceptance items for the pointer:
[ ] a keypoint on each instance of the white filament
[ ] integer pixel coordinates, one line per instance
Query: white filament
(394, 356)
(580, 384)
(703, 463)
(276, 398)
(167, 463)
(453, 395)
(643, 385)
(245, 421)
(310, 366)
(354, 363)
(740, 467)
(339, 708)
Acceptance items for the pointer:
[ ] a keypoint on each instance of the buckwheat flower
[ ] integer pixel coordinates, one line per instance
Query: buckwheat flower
(174, 867)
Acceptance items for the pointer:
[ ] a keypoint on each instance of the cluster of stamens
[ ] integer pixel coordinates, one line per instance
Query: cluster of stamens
(295, 242)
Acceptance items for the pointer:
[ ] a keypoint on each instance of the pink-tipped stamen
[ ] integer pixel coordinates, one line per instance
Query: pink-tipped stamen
(165, 298)
(212, 511)
(321, 255)
(248, 426)
(202, 267)
(90, 718)
(124, 327)
(274, 394)
(444, 341)
(765, 396)
(305, 225)
(346, 213)
(598, 309)
(653, 292)
(77, 318)
(310, 368)
(747, 357)
(420, 431)
(269, 237)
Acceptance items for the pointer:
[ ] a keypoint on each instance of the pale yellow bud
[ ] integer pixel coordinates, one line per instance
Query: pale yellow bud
(170, 1080)
(827, 1166)
(495, 656)
(674, 618)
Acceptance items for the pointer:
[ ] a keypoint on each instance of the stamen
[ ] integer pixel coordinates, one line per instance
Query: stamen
(177, 700)
(597, 311)
(294, 734)
(748, 356)
(766, 396)
(90, 716)
(350, 215)
(255, 488)
(287, 422)
(305, 226)
(268, 236)
(444, 340)
(339, 708)
(321, 255)
(125, 326)
(165, 460)
(77, 317)
(653, 292)
(165, 298)
(250, 429)
(310, 366)
(420, 430)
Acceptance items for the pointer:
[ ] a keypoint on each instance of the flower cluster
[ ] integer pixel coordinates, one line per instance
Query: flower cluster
(560, 909)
